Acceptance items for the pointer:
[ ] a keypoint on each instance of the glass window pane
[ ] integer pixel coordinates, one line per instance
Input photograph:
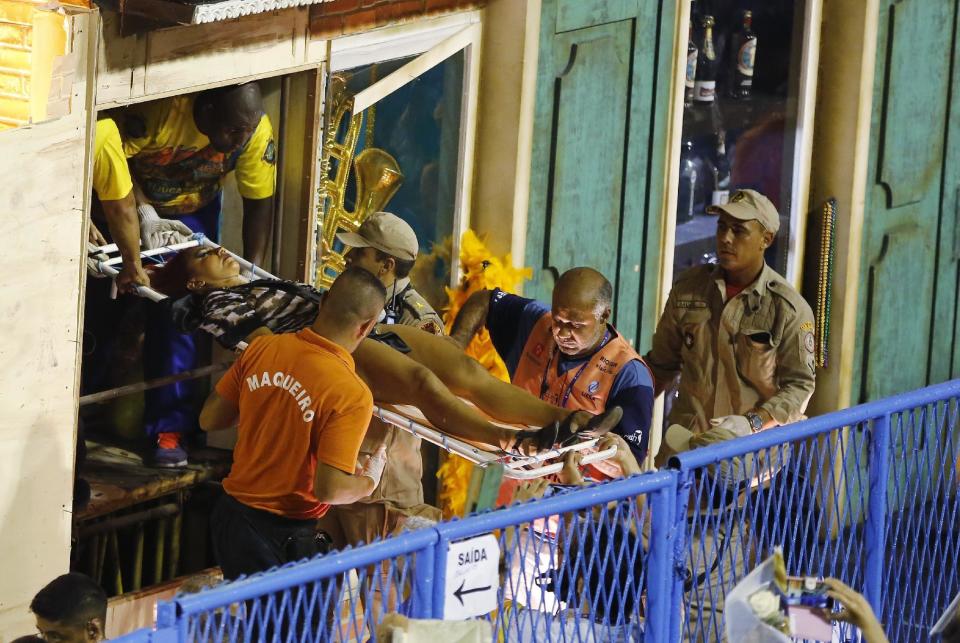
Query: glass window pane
(740, 118)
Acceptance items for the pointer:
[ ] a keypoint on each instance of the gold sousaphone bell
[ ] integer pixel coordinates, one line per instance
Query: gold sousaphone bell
(377, 174)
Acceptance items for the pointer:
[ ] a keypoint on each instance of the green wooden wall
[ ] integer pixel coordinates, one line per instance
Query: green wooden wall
(602, 107)
(907, 309)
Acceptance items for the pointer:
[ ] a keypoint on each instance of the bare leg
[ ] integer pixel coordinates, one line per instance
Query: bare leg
(396, 379)
(467, 378)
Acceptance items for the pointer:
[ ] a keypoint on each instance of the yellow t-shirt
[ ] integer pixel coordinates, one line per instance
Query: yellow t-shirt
(111, 175)
(177, 168)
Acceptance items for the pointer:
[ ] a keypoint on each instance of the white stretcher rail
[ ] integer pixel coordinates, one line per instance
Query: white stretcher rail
(519, 467)
(515, 466)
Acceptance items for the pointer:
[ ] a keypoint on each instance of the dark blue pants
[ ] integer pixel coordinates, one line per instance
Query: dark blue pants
(173, 408)
(248, 540)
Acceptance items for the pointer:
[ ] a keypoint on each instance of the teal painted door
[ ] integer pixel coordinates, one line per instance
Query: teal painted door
(599, 135)
(900, 347)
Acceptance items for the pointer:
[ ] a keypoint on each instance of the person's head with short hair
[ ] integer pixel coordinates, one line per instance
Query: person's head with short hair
(71, 609)
(351, 308)
(385, 246)
(229, 116)
(582, 300)
(746, 227)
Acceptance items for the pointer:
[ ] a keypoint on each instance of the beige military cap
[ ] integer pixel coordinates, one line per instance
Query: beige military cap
(386, 232)
(747, 205)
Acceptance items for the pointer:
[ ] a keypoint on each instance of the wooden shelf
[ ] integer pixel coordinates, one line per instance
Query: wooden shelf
(702, 120)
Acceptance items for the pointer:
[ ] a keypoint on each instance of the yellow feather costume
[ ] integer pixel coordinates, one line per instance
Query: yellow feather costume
(481, 271)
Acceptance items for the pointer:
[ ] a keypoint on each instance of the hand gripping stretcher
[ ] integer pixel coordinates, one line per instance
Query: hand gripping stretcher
(107, 259)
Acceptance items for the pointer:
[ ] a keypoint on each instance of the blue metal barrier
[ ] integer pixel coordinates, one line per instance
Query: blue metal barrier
(590, 591)
(854, 494)
(867, 494)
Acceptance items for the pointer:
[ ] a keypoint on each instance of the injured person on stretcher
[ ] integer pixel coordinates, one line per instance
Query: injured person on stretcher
(400, 364)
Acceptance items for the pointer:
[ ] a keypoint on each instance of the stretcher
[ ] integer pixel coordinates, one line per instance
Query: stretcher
(107, 260)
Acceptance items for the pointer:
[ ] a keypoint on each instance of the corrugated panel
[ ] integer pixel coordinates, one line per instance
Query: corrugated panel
(201, 12)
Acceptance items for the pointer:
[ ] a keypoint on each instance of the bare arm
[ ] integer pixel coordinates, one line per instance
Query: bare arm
(856, 610)
(471, 318)
(257, 221)
(218, 413)
(124, 225)
(334, 487)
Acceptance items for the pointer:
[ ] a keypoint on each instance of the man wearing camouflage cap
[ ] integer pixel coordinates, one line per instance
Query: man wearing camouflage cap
(739, 336)
(386, 246)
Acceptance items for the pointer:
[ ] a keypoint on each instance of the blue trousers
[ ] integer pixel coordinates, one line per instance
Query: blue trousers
(174, 408)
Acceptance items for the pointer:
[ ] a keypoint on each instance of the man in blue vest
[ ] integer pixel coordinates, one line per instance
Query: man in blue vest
(567, 354)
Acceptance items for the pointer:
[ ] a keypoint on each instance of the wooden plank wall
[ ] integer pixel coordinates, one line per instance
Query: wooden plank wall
(41, 290)
(178, 60)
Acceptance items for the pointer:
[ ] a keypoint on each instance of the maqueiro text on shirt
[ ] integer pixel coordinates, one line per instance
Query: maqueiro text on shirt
(289, 384)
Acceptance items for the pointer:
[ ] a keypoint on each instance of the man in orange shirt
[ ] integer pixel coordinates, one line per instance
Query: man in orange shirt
(303, 412)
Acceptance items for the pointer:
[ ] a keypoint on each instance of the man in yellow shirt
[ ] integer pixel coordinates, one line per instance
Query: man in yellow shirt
(176, 153)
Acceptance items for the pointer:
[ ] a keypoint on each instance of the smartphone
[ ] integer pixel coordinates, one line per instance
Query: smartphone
(807, 591)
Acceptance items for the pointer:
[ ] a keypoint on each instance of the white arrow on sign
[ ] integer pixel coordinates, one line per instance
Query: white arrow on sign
(472, 577)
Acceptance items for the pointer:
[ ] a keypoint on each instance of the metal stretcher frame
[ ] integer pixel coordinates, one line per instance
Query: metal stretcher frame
(407, 418)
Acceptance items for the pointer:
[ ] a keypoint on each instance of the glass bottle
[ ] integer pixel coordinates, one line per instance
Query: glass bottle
(721, 172)
(705, 86)
(692, 53)
(743, 57)
(686, 192)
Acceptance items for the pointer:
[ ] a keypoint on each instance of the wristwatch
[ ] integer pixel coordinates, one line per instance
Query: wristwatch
(756, 422)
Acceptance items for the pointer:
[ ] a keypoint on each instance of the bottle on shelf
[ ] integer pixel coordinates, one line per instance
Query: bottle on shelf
(705, 86)
(743, 56)
(692, 53)
(686, 192)
(721, 172)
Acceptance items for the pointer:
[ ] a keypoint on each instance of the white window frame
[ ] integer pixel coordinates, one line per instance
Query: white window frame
(434, 40)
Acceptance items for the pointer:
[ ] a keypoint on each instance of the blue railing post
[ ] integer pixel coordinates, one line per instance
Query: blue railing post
(168, 630)
(875, 536)
(423, 576)
(440, 572)
(663, 533)
(684, 482)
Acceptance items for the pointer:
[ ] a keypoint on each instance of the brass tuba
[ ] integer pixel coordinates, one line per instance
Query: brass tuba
(377, 173)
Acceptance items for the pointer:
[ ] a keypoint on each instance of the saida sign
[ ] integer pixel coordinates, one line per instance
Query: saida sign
(472, 578)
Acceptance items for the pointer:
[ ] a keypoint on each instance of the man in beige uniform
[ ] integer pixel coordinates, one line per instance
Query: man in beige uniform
(386, 246)
(739, 336)
(741, 339)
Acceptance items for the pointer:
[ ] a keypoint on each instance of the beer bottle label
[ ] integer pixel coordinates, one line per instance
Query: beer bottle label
(691, 68)
(747, 57)
(704, 91)
(719, 197)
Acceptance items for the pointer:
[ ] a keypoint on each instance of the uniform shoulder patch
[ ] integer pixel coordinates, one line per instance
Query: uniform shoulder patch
(431, 326)
(806, 326)
(270, 153)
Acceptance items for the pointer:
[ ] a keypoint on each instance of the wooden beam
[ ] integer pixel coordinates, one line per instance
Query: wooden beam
(308, 188)
(161, 11)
